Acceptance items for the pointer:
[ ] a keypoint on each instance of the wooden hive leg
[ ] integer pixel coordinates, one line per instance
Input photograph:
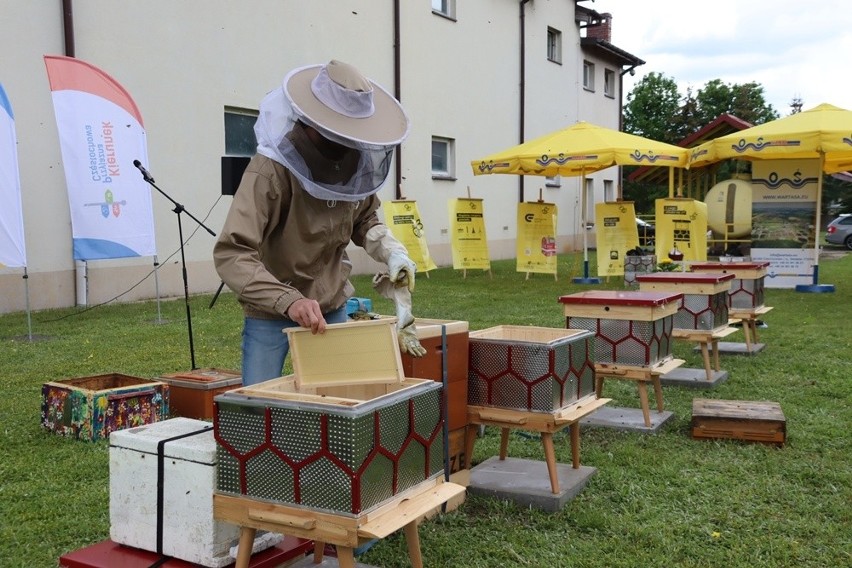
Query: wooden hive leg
(643, 398)
(715, 348)
(345, 557)
(705, 356)
(319, 551)
(550, 458)
(469, 439)
(245, 547)
(658, 392)
(504, 443)
(746, 321)
(598, 385)
(412, 541)
(575, 444)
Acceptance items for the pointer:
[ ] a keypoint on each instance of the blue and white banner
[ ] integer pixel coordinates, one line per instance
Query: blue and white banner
(12, 249)
(100, 134)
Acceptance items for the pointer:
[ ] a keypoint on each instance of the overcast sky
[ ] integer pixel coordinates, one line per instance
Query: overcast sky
(793, 48)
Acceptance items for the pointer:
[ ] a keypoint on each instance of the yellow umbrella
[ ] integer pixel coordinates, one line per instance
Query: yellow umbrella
(576, 151)
(823, 132)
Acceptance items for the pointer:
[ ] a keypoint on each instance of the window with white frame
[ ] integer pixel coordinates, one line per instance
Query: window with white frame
(443, 159)
(444, 8)
(588, 75)
(609, 83)
(553, 181)
(554, 45)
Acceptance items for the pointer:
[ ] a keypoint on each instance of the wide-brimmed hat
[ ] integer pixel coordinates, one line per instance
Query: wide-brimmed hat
(337, 98)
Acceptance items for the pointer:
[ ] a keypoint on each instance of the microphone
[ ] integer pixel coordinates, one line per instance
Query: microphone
(145, 174)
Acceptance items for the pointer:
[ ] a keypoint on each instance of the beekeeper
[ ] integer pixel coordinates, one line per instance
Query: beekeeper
(325, 144)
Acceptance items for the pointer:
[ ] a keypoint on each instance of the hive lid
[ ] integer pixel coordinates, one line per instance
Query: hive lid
(183, 439)
(358, 352)
(629, 298)
(692, 277)
(722, 266)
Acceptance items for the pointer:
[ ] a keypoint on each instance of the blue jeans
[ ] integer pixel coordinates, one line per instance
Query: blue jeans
(265, 345)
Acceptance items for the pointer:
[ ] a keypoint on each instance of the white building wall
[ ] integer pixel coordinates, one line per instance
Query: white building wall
(184, 62)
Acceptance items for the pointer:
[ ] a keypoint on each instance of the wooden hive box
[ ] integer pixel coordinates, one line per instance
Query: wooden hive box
(705, 296)
(90, 408)
(191, 392)
(344, 434)
(747, 288)
(754, 421)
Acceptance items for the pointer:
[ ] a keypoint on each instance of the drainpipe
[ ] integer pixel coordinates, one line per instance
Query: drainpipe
(68, 27)
(522, 86)
(397, 80)
(632, 71)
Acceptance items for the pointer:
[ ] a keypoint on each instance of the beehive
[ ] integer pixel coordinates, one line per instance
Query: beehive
(704, 305)
(747, 287)
(344, 434)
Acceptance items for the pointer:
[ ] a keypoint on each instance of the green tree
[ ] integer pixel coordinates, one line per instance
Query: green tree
(650, 107)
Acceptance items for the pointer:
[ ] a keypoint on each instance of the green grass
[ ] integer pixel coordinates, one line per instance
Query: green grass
(656, 500)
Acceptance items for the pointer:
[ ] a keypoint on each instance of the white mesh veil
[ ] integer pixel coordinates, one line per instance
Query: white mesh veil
(277, 117)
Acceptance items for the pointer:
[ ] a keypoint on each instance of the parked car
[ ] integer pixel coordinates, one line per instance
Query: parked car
(839, 231)
(647, 232)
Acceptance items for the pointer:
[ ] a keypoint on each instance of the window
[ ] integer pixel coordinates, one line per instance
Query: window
(554, 45)
(588, 76)
(609, 83)
(239, 132)
(553, 181)
(443, 163)
(444, 8)
(609, 194)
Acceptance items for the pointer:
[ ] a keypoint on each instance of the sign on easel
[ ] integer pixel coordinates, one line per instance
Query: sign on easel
(405, 223)
(468, 240)
(617, 234)
(681, 225)
(535, 247)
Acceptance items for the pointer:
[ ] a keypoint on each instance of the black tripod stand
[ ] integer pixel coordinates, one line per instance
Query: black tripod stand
(179, 209)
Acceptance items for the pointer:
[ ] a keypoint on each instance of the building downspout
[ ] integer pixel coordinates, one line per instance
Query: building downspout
(68, 27)
(397, 90)
(522, 88)
(631, 70)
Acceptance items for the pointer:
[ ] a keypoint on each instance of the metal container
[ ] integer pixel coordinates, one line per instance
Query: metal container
(705, 297)
(343, 435)
(631, 328)
(527, 368)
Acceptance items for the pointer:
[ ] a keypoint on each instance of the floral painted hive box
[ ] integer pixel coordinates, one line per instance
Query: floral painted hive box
(747, 287)
(528, 368)
(90, 408)
(344, 434)
(705, 297)
(631, 328)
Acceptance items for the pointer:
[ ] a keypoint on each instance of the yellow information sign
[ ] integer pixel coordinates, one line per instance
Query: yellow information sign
(681, 225)
(405, 223)
(616, 234)
(535, 248)
(468, 241)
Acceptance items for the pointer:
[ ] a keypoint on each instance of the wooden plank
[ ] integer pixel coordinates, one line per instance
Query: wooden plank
(637, 373)
(575, 412)
(742, 409)
(703, 334)
(616, 312)
(409, 510)
(756, 421)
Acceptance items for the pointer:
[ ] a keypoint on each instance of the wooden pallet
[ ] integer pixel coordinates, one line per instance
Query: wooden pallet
(753, 421)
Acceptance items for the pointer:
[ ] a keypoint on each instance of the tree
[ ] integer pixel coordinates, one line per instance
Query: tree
(650, 107)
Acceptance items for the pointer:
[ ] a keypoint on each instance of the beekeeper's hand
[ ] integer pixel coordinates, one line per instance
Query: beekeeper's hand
(408, 342)
(401, 270)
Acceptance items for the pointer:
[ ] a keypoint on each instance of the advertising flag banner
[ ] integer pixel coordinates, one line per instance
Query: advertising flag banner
(784, 194)
(681, 225)
(405, 223)
(535, 248)
(12, 249)
(468, 241)
(616, 233)
(101, 133)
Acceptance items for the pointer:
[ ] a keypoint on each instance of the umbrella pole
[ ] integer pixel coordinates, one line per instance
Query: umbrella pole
(816, 286)
(586, 279)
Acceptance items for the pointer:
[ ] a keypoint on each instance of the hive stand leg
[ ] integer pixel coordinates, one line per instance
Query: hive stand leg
(753, 326)
(319, 550)
(412, 541)
(747, 332)
(705, 355)
(598, 385)
(658, 392)
(715, 348)
(246, 543)
(643, 398)
(345, 557)
(469, 439)
(550, 458)
(504, 443)
(575, 445)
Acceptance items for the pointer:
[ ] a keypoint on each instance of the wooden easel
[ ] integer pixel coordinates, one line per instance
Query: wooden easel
(546, 424)
(708, 341)
(642, 376)
(345, 532)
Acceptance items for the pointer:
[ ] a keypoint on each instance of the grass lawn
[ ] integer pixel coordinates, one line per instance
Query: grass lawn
(656, 500)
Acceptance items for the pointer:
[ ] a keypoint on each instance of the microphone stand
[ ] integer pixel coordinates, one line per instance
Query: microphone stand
(179, 209)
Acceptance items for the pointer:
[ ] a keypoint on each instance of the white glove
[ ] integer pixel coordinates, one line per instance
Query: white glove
(401, 270)
(382, 246)
(405, 328)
